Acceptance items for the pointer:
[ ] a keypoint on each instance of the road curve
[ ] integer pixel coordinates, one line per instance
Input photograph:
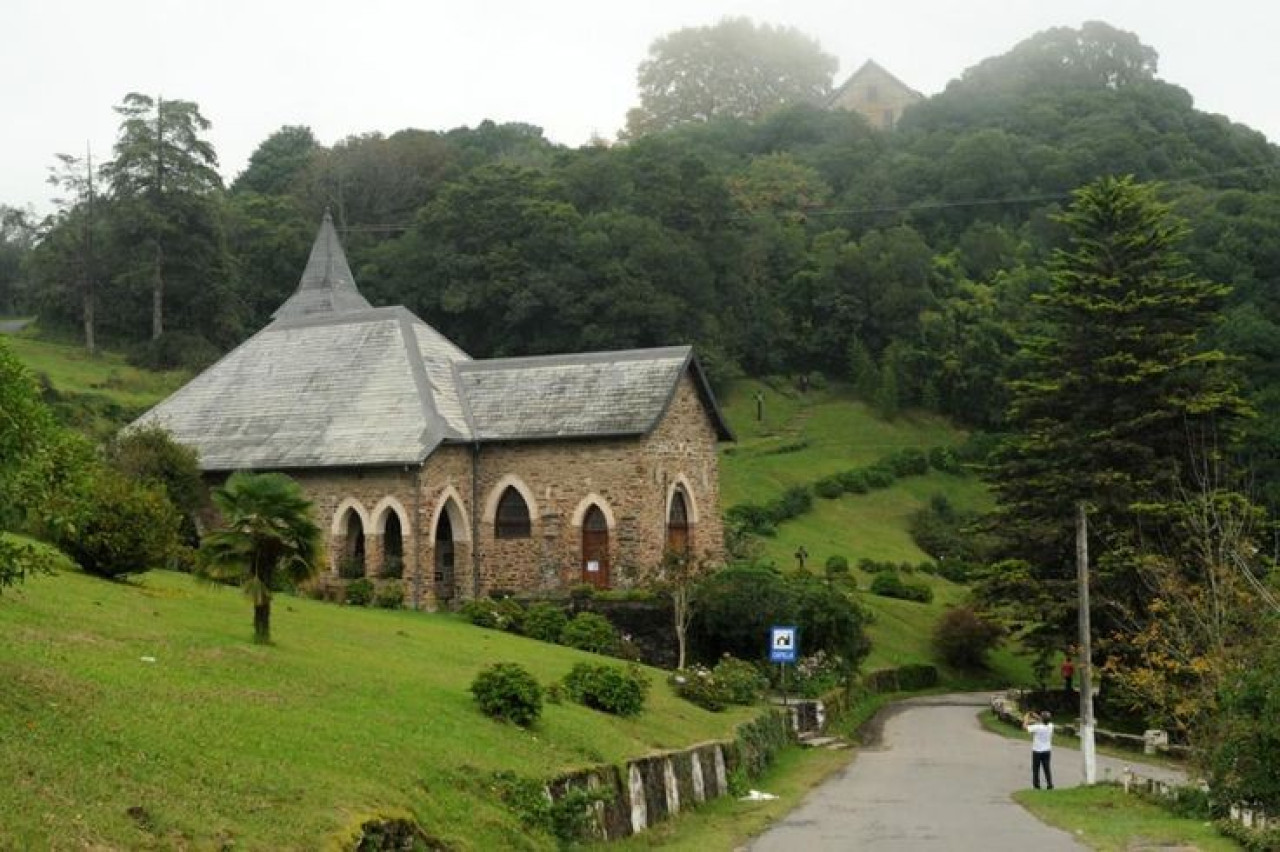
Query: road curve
(933, 780)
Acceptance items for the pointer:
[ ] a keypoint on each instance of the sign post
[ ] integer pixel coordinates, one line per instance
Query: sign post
(783, 647)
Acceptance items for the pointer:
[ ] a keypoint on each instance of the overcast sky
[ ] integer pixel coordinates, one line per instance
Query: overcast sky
(565, 65)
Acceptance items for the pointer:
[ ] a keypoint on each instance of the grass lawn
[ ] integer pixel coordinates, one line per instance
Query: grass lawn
(806, 436)
(1105, 817)
(151, 697)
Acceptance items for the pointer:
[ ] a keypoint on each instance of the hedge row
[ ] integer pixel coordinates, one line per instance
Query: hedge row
(763, 519)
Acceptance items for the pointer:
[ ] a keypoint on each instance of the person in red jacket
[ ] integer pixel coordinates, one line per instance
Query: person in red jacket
(1068, 672)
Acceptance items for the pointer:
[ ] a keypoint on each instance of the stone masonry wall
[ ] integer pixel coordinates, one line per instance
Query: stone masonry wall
(631, 479)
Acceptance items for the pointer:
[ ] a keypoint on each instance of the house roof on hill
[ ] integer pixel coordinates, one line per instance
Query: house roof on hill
(333, 382)
(872, 68)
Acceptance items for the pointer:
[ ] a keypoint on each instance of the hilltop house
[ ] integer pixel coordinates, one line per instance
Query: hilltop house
(877, 94)
(461, 476)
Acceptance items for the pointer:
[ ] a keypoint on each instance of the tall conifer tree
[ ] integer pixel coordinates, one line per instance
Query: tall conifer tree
(1115, 395)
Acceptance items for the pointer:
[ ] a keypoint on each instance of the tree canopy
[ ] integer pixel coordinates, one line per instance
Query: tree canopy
(733, 69)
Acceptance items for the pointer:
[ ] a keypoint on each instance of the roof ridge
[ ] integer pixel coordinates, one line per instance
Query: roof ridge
(582, 357)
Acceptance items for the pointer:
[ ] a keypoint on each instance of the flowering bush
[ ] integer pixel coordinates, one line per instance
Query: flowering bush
(698, 685)
(814, 675)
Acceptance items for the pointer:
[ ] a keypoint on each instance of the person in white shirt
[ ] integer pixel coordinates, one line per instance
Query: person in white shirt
(1041, 729)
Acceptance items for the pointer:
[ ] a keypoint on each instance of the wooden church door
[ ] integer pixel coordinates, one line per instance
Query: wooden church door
(595, 549)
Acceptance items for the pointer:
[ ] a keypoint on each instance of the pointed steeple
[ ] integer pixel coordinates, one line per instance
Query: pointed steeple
(327, 285)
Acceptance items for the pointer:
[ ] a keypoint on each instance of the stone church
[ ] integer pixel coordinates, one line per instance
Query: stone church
(460, 476)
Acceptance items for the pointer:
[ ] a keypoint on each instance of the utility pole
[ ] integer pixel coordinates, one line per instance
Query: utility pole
(88, 295)
(1086, 648)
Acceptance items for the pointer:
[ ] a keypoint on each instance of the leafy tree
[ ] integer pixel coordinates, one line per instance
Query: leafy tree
(277, 163)
(119, 526)
(17, 239)
(1114, 387)
(163, 177)
(76, 215)
(734, 68)
(269, 539)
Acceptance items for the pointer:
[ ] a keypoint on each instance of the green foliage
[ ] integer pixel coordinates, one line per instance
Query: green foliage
(1116, 394)
(567, 818)
(731, 69)
(1239, 746)
(268, 540)
(22, 558)
(742, 681)
(813, 675)
(612, 689)
(964, 638)
(760, 740)
(151, 455)
(589, 631)
(829, 487)
(121, 527)
(545, 622)
(496, 614)
(506, 691)
(732, 681)
(699, 686)
(890, 585)
(738, 605)
(359, 592)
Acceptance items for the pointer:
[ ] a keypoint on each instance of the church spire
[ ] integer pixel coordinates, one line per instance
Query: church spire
(327, 285)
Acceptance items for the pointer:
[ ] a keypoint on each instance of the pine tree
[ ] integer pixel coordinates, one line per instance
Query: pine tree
(1114, 393)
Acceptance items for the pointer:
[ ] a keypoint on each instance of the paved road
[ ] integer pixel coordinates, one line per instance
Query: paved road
(13, 326)
(934, 780)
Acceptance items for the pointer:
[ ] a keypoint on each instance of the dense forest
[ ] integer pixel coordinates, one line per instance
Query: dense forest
(789, 240)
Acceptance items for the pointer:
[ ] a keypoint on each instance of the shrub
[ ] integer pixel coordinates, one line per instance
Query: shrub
(506, 691)
(505, 614)
(908, 462)
(740, 681)
(150, 454)
(117, 526)
(829, 488)
(359, 592)
(963, 637)
(392, 568)
(815, 675)
(699, 686)
(588, 631)
(837, 567)
(613, 689)
(878, 476)
(944, 459)
(390, 596)
(871, 566)
(351, 567)
(739, 604)
(544, 622)
(889, 585)
(175, 350)
(793, 503)
(853, 481)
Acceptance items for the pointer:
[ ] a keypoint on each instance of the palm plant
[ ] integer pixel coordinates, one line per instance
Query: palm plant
(269, 539)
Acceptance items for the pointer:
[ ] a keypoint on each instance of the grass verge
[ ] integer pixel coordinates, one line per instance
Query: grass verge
(140, 715)
(1108, 819)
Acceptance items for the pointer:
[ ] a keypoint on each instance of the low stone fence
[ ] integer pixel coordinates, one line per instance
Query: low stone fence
(656, 787)
(1008, 708)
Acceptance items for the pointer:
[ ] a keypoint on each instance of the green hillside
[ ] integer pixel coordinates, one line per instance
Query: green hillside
(807, 435)
(94, 394)
(140, 716)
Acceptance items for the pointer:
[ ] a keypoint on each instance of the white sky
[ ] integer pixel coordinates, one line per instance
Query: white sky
(565, 65)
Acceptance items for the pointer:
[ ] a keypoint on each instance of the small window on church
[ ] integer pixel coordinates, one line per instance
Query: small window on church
(678, 524)
(513, 516)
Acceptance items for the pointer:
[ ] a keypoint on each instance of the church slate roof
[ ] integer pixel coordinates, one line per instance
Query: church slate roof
(327, 285)
(333, 382)
(586, 395)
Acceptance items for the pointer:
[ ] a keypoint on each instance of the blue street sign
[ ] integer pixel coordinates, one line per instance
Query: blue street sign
(783, 645)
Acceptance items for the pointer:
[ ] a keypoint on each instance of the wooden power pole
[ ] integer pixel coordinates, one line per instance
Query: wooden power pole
(1086, 648)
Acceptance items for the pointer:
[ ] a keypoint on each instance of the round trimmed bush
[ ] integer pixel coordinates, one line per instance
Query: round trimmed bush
(507, 691)
(359, 592)
(544, 622)
(963, 637)
(496, 614)
(613, 689)
(588, 631)
(741, 682)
